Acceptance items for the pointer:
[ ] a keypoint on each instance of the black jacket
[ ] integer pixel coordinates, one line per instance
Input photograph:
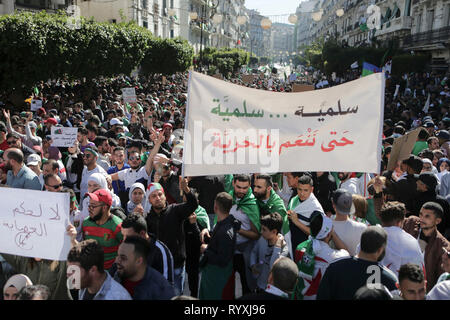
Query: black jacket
(152, 287)
(405, 190)
(323, 189)
(167, 226)
(172, 189)
(207, 187)
(221, 246)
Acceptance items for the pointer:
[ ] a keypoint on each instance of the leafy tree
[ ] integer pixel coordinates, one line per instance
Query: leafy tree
(167, 56)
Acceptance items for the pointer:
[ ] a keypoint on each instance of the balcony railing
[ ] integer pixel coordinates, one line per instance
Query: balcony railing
(429, 37)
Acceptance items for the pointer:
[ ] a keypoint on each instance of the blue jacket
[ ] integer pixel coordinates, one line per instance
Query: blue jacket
(25, 179)
(152, 287)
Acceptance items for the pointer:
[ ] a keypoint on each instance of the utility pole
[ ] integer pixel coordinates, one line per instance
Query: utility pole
(201, 36)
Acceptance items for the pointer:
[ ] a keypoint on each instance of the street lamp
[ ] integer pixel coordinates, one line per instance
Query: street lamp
(194, 16)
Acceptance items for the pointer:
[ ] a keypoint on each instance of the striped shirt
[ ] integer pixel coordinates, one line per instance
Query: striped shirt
(162, 260)
(107, 235)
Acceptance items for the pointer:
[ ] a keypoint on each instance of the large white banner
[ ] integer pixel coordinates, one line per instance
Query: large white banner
(33, 223)
(235, 129)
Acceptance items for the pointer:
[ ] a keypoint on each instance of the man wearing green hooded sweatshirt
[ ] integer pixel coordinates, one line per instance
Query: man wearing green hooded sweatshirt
(245, 210)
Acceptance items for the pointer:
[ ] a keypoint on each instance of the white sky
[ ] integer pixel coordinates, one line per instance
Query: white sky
(273, 7)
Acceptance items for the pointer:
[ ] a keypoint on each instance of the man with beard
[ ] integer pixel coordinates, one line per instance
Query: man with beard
(431, 241)
(348, 183)
(245, 210)
(269, 202)
(103, 226)
(426, 187)
(95, 283)
(19, 175)
(166, 220)
(133, 272)
(344, 277)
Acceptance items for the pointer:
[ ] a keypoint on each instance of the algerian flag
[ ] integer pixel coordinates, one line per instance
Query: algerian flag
(427, 104)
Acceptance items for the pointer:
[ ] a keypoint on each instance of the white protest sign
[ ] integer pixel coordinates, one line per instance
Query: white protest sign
(36, 104)
(33, 223)
(234, 129)
(129, 95)
(63, 137)
(270, 82)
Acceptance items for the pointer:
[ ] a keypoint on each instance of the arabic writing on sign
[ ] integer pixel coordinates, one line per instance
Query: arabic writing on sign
(23, 237)
(230, 143)
(53, 212)
(245, 144)
(330, 112)
(236, 112)
(301, 142)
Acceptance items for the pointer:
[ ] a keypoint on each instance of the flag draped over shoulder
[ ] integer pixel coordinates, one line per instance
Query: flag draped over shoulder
(305, 258)
(275, 204)
(202, 217)
(369, 69)
(249, 206)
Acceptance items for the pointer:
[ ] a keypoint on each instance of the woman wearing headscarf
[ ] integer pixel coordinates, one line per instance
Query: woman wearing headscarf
(137, 199)
(98, 181)
(443, 167)
(14, 285)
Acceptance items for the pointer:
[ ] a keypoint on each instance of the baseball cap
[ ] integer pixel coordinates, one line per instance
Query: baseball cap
(167, 125)
(33, 160)
(343, 201)
(101, 195)
(121, 136)
(51, 121)
(115, 121)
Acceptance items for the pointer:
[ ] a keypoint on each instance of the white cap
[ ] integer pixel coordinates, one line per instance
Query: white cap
(33, 160)
(115, 121)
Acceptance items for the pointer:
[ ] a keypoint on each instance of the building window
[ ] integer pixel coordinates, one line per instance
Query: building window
(144, 4)
(171, 4)
(172, 34)
(418, 22)
(145, 24)
(430, 20)
(446, 16)
(155, 29)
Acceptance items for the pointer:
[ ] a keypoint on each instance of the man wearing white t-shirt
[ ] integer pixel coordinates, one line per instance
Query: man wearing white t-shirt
(402, 248)
(90, 156)
(136, 173)
(348, 183)
(348, 230)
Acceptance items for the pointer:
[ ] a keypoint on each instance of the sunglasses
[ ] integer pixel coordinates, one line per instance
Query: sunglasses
(134, 158)
(11, 141)
(86, 155)
(56, 187)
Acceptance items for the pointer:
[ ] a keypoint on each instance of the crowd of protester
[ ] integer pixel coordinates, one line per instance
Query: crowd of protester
(141, 231)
